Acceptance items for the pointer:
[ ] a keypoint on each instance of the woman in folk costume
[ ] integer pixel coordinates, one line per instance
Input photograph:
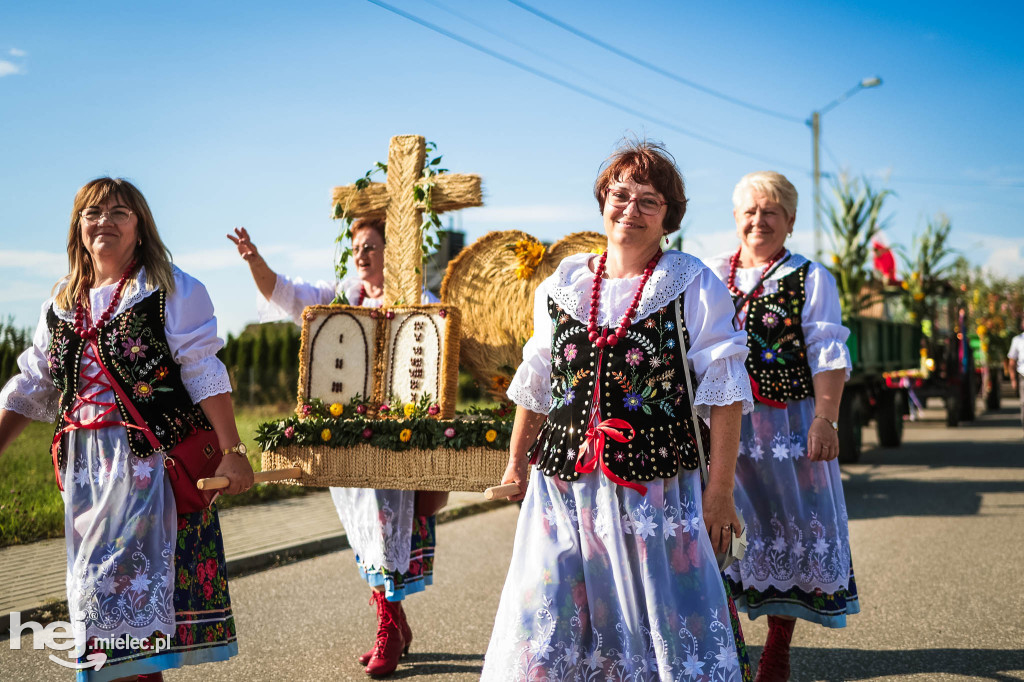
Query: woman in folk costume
(613, 572)
(127, 345)
(788, 486)
(391, 532)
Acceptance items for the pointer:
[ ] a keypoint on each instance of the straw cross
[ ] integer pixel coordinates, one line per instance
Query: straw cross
(394, 201)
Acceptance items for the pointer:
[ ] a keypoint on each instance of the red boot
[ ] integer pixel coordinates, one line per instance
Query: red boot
(406, 634)
(774, 664)
(390, 642)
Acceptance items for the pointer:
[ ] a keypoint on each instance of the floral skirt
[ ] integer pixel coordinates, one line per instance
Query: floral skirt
(797, 561)
(205, 626)
(608, 584)
(394, 547)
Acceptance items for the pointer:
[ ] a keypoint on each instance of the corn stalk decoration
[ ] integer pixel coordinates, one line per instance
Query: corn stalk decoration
(930, 267)
(855, 220)
(995, 304)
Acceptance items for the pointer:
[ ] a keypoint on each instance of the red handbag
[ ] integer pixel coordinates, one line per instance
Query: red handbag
(197, 456)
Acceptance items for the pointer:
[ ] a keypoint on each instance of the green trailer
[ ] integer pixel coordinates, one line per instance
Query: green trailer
(878, 347)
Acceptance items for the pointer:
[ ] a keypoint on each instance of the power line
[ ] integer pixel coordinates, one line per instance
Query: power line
(582, 91)
(537, 53)
(657, 69)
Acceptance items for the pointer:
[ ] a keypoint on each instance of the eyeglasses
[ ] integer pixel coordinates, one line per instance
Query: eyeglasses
(119, 216)
(364, 248)
(620, 198)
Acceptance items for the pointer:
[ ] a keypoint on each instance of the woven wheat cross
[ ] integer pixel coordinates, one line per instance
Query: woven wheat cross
(394, 201)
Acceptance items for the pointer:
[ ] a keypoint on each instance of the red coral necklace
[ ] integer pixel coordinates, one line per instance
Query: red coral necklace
(83, 320)
(734, 263)
(613, 336)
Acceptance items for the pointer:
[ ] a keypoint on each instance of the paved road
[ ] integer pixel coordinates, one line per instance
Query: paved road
(938, 538)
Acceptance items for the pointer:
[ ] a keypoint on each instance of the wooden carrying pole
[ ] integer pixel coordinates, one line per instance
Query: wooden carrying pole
(501, 492)
(218, 482)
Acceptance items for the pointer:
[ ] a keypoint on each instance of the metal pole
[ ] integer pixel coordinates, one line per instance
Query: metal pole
(815, 139)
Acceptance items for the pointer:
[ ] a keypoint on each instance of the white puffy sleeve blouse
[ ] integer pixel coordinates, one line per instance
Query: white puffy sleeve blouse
(191, 331)
(717, 351)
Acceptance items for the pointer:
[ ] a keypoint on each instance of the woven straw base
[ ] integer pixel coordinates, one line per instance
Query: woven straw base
(366, 466)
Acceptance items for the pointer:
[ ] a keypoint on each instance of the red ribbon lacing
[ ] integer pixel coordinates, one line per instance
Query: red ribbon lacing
(593, 445)
(95, 385)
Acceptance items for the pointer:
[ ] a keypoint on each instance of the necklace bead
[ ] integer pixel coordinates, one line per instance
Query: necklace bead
(613, 335)
(83, 323)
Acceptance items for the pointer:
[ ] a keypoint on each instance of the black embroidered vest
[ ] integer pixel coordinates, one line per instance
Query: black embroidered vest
(777, 363)
(133, 347)
(641, 383)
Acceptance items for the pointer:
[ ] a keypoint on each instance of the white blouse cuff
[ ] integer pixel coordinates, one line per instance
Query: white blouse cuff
(18, 396)
(204, 378)
(829, 355)
(725, 382)
(530, 390)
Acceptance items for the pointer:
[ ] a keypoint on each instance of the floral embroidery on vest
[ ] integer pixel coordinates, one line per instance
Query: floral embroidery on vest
(641, 382)
(777, 362)
(133, 346)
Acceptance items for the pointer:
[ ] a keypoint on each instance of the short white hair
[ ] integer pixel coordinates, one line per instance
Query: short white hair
(773, 185)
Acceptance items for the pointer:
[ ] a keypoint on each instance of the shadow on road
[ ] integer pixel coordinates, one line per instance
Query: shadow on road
(438, 663)
(853, 664)
(873, 498)
(937, 455)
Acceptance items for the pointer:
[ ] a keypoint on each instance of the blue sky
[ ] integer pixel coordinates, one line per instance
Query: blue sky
(230, 114)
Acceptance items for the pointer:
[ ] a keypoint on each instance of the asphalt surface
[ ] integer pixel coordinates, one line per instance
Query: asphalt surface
(937, 530)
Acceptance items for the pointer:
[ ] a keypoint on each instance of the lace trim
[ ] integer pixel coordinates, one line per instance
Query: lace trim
(520, 394)
(210, 379)
(675, 271)
(794, 263)
(725, 382)
(134, 292)
(26, 407)
(831, 355)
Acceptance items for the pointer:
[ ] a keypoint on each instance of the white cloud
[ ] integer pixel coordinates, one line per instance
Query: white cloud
(1003, 256)
(15, 52)
(9, 68)
(43, 263)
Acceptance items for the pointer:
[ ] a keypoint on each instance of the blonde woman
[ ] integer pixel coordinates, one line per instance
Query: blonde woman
(788, 485)
(127, 322)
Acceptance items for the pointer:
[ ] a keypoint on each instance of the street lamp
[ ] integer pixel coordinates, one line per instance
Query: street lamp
(815, 123)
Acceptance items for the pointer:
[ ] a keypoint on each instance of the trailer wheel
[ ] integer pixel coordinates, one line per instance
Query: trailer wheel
(889, 418)
(851, 420)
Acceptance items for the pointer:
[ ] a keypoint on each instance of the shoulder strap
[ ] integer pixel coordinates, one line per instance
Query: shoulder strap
(689, 390)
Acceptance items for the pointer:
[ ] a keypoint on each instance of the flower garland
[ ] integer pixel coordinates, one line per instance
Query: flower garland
(412, 425)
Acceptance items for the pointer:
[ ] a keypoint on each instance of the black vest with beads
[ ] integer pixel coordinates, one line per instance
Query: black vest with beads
(641, 382)
(133, 347)
(777, 362)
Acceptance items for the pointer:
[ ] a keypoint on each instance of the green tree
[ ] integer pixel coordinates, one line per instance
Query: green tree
(855, 220)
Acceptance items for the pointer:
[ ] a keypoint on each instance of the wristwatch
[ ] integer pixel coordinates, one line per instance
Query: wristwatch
(238, 448)
(835, 425)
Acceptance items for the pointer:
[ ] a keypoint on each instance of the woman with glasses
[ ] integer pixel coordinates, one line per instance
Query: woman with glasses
(788, 485)
(125, 322)
(613, 572)
(391, 532)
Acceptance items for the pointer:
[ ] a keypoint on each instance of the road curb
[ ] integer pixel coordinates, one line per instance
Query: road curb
(52, 609)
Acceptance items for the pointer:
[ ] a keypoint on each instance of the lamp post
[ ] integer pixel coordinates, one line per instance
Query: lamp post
(815, 123)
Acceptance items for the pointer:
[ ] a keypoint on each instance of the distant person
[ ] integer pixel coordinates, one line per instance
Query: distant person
(391, 532)
(788, 485)
(613, 573)
(127, 322)
(1016, 355)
